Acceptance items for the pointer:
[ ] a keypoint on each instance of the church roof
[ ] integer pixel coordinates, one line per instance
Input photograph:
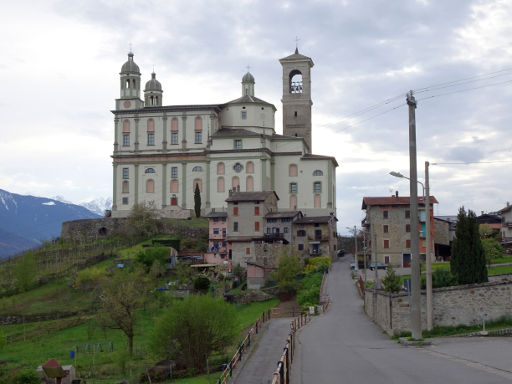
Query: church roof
(248, 78)
(130, 66)
(153, 84)
(296, 57)
(310, 156)
(250, 196)
(227, 132)
(249, 99)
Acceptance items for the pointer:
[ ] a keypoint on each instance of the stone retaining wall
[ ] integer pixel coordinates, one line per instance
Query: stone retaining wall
(452, 306)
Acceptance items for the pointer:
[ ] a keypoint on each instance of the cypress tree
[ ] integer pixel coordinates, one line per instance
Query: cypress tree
(467, 262)
(197, 201)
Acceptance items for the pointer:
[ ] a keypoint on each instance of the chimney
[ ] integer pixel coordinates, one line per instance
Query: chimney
(482, 212)
(230, 192)
(396, 193)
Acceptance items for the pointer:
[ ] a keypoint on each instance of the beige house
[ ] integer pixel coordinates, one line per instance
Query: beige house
(506, 227)
(389, 218)
(316, 235)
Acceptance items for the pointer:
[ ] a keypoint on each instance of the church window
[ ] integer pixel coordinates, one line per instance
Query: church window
(220, 184)
(149, 170)
(126, 173)
(317, 201)
(249, 185)
(235, 226)
(126, 187)
(238, 144)
(293, 170)
(235, 182)
(197, 169)
(174, 186)
(151, 138)
(249, 167)
(295, 113)
(246, 91)
(151, 132)
(150, 186)
(174, 138)
(244, 115)
(125, 201)
(293, 187)
(293, 202)
(126, 139)
(238, 167)
(317, 187)
(199, 183)
(318, 173)
(220, 168)
(295, 81)
(174, 131)
(198, 131)
(174, 172)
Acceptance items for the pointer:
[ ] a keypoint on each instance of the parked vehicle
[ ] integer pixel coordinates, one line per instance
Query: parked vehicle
(379, 266)
(341, 252)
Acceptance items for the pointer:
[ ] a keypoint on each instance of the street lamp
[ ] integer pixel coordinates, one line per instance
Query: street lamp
(428, 259)
(355, 247)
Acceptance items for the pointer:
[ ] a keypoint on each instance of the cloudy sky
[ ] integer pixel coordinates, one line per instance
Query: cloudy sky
(60, 64)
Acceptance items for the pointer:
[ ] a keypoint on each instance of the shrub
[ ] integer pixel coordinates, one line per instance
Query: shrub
(318, 264)
(89, 277)
(391, 282)
(202, 283)
(492, 250)
(150, 255)
(309, 292)
(28, 376)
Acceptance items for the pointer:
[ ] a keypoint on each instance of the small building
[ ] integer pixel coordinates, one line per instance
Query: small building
(443, 238)
(506, 225)
(218, 247)
(389, 218)
(257, 274)
(278, 226)
(52, 372)
(316, 235)
(493, 220)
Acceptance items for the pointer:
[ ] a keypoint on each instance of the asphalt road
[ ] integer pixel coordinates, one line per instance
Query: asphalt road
(344, 346)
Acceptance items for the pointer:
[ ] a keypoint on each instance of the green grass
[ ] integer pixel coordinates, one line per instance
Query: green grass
(193, 222)
(500, 270)
(198, 379)
(249, 313)
(501, 260)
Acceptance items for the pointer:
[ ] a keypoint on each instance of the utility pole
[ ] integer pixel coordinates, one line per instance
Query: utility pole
(415, 257)
(356, 263)
(376, 283)
(428, 258)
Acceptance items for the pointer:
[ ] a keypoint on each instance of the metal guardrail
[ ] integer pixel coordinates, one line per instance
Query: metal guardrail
(227, 373)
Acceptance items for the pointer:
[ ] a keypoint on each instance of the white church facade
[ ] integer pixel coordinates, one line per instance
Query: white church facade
(161, 152)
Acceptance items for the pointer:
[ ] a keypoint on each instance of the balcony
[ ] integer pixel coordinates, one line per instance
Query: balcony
(273, 236)
(315, 252)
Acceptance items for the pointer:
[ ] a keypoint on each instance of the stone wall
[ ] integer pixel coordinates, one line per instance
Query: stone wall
(91, 229)
(464, 304)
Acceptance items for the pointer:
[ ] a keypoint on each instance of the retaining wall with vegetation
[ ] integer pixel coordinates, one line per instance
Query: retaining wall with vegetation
(463, 304)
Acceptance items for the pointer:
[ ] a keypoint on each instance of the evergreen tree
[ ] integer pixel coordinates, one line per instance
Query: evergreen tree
(197, 201)
(467, 262)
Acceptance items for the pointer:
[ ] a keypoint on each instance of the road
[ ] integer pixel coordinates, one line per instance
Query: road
(344, 346)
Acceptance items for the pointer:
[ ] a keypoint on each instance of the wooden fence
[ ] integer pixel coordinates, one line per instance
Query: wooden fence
(227, 373)
(282, 373)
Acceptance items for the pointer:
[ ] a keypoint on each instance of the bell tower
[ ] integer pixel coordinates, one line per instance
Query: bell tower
(129, 85)
(297, 96)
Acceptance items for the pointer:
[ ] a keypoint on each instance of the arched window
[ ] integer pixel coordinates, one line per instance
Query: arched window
(317, 201)
(293, 201)
(197, 169)
(151, 132)
(293, 170)
(295, 81)
(149, 170)
(174, 131)
(249, 167)
(126, 133)
(150, 186)
(199, 183)
(126, 186)
(220, 168)
(249, 184)
(220, 184)
(198, 130)
(318, 173)
(235, 182)
(174, 186)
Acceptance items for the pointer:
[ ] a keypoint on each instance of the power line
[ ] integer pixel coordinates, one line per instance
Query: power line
(473, 162)
(465, 90)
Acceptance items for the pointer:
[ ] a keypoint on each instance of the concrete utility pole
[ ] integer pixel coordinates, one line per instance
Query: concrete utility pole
(428, 258)
(356, 263)
(415, 257)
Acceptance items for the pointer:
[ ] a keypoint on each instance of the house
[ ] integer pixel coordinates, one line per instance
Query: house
(493, 220)
(218, 247)
(278, 226)
(245, 222)
(388, 218)
(316, 235)
(506, 225)
(443, 237)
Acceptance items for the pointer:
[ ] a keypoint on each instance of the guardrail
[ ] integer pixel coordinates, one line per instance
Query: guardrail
(282, 373)
(227, 373)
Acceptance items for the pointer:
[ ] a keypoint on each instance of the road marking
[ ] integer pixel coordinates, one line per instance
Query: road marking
(471, 363)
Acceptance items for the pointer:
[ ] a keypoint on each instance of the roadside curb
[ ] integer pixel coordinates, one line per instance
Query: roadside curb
(413, 343)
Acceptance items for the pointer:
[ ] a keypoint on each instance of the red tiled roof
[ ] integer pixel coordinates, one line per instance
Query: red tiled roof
(393, 200)
(52, 363)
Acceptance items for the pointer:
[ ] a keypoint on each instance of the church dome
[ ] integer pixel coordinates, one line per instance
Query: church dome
(153, 84)
(130, 66)
(248, 78)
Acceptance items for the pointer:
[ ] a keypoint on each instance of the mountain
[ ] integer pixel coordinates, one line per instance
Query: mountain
(26, 221)
(99, 205)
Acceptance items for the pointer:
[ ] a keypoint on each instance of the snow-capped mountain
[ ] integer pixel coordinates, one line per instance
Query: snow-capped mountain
(99, 205)
(26, 221)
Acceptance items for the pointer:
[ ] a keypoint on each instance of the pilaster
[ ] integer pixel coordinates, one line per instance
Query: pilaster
(184, 185)
(136, 183)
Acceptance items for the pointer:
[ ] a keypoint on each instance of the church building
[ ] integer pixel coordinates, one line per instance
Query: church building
(161, 152)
